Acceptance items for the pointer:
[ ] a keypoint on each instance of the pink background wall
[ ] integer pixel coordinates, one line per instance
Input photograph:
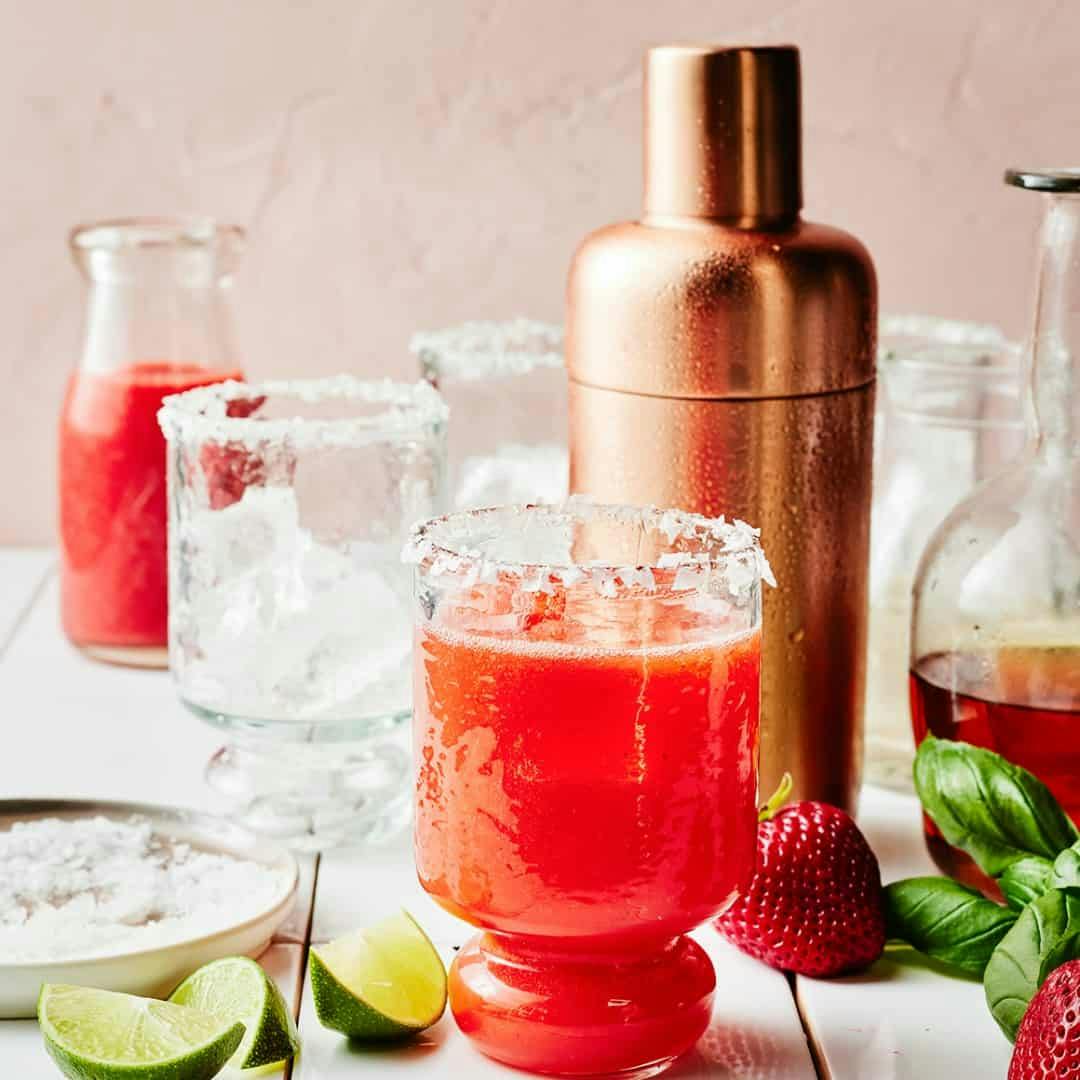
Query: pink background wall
(410, 163)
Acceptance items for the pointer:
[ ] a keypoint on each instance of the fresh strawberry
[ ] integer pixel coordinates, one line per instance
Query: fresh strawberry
(815, 905)
(1048, 1042)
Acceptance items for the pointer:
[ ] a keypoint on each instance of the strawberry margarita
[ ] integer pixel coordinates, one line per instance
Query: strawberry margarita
(586, 772)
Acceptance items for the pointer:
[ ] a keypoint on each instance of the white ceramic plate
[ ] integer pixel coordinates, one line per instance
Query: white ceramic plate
(153, 972)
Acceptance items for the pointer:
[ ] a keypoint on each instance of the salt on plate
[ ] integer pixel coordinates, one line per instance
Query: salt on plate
(80, 888)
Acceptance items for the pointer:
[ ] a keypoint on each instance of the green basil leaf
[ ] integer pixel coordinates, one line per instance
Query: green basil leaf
(946, 920)
(995, 811)
(1068, 948)
(1066, 869)
(1046, 932)
(1027, 879)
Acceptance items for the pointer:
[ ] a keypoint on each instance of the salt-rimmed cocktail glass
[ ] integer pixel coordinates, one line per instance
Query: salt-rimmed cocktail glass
(289, 609)
(505, 383)
(586, 731)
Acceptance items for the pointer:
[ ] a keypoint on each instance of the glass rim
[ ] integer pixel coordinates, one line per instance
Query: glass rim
(202, 413)
(947, 345)
(484, 349)
(725, 546)
(140, 233)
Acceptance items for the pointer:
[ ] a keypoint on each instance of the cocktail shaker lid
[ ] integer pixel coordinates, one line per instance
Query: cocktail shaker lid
(723, 133)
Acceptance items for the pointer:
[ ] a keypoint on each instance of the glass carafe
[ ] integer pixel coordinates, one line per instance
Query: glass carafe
(996, 610)
(948, 416)
(157, 323)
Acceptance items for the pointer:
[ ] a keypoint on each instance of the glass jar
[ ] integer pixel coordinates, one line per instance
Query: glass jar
(505, 383)
(948, 416)
(995, 652)
(290, 608)
(158, 322)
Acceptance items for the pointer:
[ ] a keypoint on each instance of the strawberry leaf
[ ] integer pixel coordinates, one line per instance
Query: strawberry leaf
(777, 799)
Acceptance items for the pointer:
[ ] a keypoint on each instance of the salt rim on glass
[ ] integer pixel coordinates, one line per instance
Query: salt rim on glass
(486, 350)
(733, 548)
(202, 414)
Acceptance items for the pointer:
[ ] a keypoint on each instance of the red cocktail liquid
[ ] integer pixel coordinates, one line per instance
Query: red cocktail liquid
(1021, 702)
(112, 505)
(586, 806)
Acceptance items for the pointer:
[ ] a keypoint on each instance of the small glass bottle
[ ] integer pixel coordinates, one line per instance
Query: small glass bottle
(158, 322)
(996, 615)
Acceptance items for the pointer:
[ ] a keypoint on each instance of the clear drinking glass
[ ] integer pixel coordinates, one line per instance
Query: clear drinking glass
(290, 612)
(995, 650)
(586, 733)
(948, 416)
(505, 383)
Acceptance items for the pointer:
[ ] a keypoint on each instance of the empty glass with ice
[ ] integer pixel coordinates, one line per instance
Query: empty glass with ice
(505, 383)
(289, 609)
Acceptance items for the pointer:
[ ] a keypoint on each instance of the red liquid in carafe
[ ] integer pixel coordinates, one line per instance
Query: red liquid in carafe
(1022, 702)
(113, 561)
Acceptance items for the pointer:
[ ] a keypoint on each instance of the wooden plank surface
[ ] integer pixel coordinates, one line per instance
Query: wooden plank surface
(900, 1021)
(22, 573)
(79, 729)
(756, 1031)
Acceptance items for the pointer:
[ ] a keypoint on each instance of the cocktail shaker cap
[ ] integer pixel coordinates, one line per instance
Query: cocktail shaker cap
(723, 133)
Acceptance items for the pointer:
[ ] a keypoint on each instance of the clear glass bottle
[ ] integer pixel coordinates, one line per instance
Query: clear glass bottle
(948, 416)
(158, 322)
(996, 610)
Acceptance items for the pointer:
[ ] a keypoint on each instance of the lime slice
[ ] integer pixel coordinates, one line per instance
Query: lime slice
(99, 1035)
(237, 989)
(386, 982)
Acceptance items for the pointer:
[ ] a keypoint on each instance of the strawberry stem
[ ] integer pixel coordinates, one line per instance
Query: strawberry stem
(777, 799)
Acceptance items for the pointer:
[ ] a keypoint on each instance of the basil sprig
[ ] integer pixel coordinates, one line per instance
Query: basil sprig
(946, 920)
(1009, 823)
(1046, 935)
(995, 811)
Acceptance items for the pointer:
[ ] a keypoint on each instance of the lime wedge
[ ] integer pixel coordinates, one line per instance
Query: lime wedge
(386, 982)
(237, 989)
(99, 1035)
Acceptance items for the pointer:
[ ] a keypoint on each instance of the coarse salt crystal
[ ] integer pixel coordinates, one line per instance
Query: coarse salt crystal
(85, 887)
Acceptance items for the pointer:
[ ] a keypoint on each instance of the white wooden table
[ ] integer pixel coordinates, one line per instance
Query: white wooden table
(72, 728)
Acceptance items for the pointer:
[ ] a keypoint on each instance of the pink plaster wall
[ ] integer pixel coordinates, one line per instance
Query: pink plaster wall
(408, 163)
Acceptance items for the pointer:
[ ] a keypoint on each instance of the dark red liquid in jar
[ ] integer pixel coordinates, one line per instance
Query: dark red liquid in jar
(1022, 702)
(113, 572)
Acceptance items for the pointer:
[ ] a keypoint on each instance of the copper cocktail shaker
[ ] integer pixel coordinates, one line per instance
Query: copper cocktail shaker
(721, 358)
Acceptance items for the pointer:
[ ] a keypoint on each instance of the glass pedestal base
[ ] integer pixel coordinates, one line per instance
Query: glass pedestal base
(537, 1005)
(316, 797)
